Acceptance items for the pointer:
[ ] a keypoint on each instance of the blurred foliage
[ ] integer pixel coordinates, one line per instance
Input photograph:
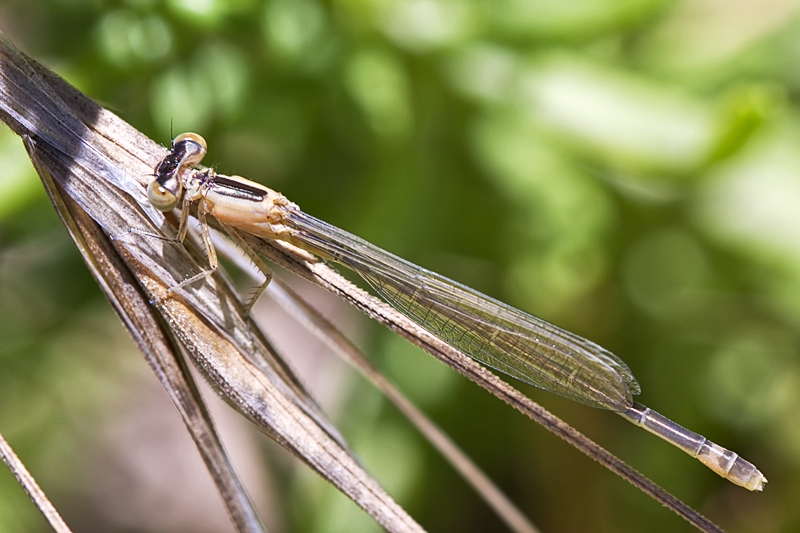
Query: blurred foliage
(627, 170)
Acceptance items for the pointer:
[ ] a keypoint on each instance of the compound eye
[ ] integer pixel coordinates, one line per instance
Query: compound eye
(162, 198)
(193, 137)
(195, 148)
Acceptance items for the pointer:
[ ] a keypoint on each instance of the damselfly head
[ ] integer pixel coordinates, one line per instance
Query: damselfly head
(164, 192)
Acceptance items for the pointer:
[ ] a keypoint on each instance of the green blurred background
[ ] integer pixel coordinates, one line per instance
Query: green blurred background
(627, 170)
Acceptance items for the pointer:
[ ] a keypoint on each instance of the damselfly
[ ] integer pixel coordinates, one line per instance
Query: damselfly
(487, 330)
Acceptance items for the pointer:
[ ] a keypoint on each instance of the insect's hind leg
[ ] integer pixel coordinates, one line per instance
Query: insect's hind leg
(257, 261)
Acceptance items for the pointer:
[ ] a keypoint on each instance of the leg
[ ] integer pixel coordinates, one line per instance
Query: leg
(146, 233)
(182, 227)
(257, 261)
(205, 236)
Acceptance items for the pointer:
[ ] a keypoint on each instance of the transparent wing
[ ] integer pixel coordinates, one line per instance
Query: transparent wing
(485, 329)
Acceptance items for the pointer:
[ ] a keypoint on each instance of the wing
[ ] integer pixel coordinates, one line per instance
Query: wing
(485, 329)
